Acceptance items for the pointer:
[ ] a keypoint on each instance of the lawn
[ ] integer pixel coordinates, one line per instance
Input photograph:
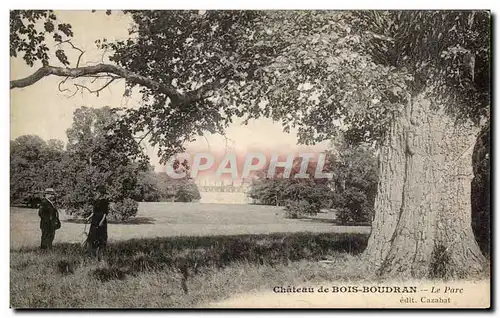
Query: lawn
(167, 219)
(178, 255)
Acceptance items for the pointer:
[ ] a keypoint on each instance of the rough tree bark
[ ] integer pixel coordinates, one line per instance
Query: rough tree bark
(422, 225)
(480, 195)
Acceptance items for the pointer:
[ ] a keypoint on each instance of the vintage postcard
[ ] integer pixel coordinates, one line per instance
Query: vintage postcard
(250, 159)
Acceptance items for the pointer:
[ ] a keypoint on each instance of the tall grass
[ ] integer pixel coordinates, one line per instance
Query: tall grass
(179, 271)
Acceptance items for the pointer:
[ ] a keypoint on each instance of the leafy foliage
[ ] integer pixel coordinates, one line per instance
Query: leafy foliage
(351, 192)
(188, 50)
(187, 192)
(156, 187)
(356, 178)
(319, 71)
(123, 210)
(352, 71)
(147, 187)
(34, 166)
(267, 191)
(448, 49)
(308, 66)
(25, 38)
(177, 190)
(300, 196)
(99, 153)
(297, 209)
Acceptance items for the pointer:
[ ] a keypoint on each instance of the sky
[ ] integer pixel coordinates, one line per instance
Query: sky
(41, 109)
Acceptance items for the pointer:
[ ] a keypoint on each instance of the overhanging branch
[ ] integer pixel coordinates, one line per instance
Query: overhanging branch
(131, 77)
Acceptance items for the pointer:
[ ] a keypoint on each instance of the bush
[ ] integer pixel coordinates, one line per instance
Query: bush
(298, 209)
(354, 207)
(123, 210)
(178, 190)
(277, 191)
(81, 212)
(187, 192)
(355, 185)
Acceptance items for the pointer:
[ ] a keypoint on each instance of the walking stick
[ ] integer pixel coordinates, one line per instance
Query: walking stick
(85, 234)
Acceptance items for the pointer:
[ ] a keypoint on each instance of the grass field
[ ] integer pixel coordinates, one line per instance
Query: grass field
(168, 219)
(179, 255)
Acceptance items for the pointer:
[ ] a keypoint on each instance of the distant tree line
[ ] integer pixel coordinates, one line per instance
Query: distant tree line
(159, 187)
(100, 151)
(351, 191)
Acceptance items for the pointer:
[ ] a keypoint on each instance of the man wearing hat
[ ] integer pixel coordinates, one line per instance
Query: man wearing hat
(49, 219)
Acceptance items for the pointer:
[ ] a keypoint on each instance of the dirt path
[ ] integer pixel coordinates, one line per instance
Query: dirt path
(461, 294)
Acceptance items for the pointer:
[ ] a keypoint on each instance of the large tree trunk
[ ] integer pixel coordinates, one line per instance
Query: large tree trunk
(480, 189)
(422, 225)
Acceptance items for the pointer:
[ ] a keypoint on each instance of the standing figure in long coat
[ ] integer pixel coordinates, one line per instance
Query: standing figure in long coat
(49, 219)
(98, 233)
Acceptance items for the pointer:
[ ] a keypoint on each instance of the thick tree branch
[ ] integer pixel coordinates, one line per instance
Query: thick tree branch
(201, 92)
(131, 77)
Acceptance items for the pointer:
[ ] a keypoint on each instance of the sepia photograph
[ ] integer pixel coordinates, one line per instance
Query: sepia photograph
(181, 159)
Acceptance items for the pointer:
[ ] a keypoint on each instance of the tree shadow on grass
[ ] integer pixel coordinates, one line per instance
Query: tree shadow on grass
(333, 221)
(189, 255)
(131, 221)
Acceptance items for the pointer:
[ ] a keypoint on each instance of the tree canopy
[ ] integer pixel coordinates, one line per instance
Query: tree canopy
(99, 156)
(314, 70)
(34, 165)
